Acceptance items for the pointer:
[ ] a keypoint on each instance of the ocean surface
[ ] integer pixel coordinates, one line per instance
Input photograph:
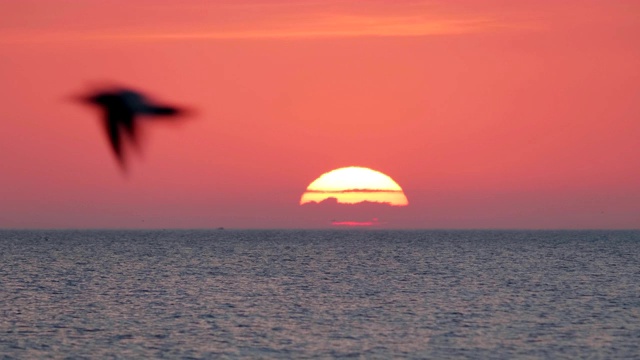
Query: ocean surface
(320, 294)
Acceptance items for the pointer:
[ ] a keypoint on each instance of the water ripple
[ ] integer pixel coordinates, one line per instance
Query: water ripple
(319, 294)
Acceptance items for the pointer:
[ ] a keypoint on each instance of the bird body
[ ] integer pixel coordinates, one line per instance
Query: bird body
(122, 109)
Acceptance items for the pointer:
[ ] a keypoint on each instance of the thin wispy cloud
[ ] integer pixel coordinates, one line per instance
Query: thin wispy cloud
(278, 20)
(338, 26)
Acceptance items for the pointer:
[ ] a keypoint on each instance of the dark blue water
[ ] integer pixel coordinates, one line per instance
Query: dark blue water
(307, 294)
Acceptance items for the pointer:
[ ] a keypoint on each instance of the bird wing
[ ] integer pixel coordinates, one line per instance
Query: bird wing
(117, 119)
(113, 133)
(139, 104)
(129, 125)
(163, 111)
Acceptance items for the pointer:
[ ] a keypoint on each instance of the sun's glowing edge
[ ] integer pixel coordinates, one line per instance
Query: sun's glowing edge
(353, 177)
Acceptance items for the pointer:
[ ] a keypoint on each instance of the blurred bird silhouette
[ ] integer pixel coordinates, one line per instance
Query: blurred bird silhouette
(122, 109)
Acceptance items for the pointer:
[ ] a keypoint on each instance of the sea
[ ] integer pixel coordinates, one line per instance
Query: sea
(301, 294)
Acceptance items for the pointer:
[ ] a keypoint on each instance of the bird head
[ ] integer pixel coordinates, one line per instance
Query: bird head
(97, 99)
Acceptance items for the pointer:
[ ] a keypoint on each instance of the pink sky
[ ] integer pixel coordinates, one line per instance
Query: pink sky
(489, 114)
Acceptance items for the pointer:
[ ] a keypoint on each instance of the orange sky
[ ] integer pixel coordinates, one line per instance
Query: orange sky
(489, 114)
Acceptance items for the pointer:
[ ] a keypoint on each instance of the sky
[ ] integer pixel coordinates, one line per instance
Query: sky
(488, 114)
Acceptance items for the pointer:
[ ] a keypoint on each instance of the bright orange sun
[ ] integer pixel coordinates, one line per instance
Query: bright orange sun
(354, 184)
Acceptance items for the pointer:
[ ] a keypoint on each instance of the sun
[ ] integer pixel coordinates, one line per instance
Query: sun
(354, 184)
